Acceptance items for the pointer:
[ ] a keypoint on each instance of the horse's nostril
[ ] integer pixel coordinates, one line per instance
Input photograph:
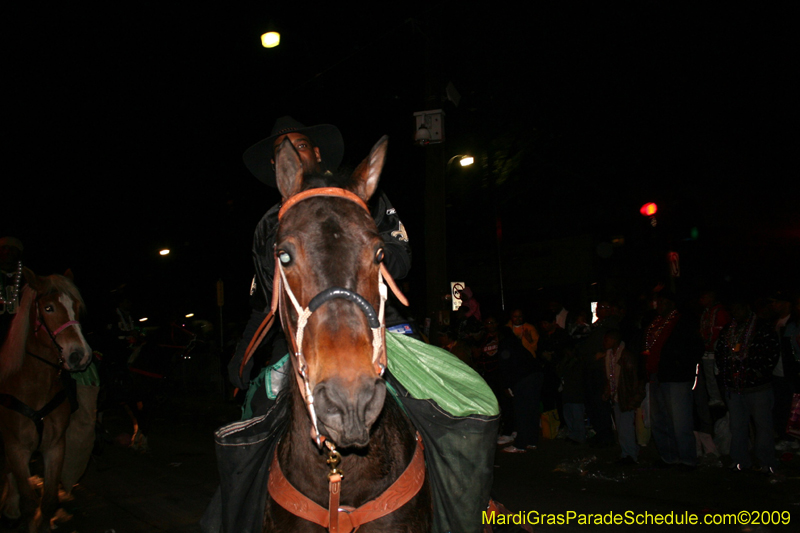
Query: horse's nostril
(75, 358)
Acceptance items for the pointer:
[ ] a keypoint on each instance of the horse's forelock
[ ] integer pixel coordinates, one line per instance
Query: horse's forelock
(62, 284)
(339, 179)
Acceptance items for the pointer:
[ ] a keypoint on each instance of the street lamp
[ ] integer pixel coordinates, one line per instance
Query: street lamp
(271, 39)
(463, 160)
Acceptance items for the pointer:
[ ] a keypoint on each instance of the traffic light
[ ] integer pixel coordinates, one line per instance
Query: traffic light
(649, 209)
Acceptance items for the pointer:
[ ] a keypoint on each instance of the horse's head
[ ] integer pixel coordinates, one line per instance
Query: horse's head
(55, 319)
(328, 254)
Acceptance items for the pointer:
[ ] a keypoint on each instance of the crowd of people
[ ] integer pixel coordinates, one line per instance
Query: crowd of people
(696, 376)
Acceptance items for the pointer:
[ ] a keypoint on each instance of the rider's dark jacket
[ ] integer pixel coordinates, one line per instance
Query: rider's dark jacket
(397, 259)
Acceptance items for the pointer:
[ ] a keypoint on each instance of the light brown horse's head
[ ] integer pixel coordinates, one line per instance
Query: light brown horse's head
(55, 320)
(328, 247)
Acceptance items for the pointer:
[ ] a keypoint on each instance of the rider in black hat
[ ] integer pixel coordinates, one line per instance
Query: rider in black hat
(321, 149)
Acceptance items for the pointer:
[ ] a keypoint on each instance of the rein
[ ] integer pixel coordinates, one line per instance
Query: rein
(45, 361)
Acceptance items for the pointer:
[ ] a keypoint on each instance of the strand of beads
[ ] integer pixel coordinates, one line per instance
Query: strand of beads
(9, 299)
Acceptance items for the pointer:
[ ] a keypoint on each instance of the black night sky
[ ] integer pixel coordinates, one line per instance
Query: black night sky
(125, 125)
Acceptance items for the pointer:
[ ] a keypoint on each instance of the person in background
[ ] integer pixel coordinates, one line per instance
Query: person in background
(487, 363)
(712, 320)
(580, 328)
(591, 348)
(525, 332)
(747, 352)
(786, 375)
(458, 347)
(571, 370)
(522, 379)
(552, 345)
(563, 318)
(672, 351)
(472, 309)
(625, 389)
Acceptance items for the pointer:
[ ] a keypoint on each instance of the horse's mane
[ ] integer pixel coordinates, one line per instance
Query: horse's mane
(12, 353)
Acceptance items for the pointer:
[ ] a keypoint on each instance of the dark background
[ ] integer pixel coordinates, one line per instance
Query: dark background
(125, 124)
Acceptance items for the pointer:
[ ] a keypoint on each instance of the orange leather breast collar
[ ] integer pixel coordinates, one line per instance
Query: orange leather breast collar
(345, 519)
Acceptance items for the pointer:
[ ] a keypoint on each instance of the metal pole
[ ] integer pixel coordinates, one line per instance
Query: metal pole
(498, 239)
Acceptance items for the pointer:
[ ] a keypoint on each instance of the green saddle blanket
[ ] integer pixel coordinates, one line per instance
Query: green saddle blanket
(431, 373)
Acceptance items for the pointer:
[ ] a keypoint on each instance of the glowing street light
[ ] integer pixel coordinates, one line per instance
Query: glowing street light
(463, 160)
(165, 251)
(271, 39)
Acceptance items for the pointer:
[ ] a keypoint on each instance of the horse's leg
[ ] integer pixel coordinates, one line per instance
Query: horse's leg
(10, 499)
(26, 498)
(53, 462)
(127, 405)
(80, 437)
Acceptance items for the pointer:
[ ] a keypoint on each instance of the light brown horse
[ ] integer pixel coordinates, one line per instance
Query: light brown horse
(350, 458)
(44, 339)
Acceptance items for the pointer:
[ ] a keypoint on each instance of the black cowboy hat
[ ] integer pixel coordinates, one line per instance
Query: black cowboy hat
(326, 137)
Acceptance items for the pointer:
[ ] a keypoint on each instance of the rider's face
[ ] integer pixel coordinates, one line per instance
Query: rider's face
(309, 154)
(9, 255)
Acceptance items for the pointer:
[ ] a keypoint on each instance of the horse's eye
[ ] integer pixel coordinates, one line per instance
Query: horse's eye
(379, 255)
(284, 257)
(49, 308)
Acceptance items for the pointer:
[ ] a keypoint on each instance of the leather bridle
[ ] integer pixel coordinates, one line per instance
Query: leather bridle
(280, 284)
(338, 519)
(41, 323)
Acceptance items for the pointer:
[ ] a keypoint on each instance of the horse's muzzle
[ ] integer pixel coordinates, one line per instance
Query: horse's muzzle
(78, 359)
(346, 413)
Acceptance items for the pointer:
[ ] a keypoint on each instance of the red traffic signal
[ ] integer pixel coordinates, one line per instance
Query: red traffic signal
(649, 209)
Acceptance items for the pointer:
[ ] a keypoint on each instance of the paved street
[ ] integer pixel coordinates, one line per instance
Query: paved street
(167, 489)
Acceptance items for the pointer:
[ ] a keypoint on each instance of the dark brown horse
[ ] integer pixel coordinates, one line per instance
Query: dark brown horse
(331, 291)
(44, 339)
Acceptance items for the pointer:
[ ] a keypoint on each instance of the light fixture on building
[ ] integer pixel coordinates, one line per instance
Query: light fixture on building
(429, 127)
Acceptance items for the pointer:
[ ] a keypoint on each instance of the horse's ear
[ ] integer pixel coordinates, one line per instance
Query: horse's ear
(368, 171)
(69, 275)
(288, 169)
(31, 278)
